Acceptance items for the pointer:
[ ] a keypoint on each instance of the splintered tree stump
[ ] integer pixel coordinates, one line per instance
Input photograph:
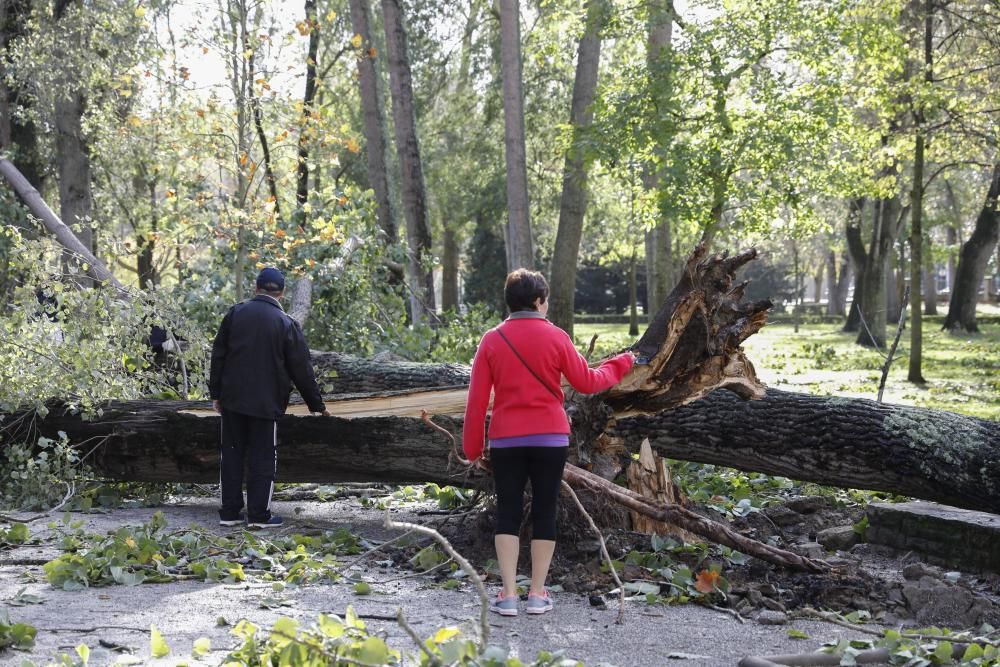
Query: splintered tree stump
(650, 477)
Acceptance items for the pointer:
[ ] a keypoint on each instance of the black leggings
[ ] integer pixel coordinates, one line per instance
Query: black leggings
(512, 468)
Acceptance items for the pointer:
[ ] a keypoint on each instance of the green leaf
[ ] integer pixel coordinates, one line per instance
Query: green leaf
(157, 644)
(18, 533)
(373, 651)
(362, 588)
(944, 651)
(84, 652)
(201, 647)
(972, 652)
(797, 634)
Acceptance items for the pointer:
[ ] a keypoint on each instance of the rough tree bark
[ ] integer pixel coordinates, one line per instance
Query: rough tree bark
(520, 245)
(853, 443)
(973, 260)
(374, 122)
(573, 203)
(418, 232)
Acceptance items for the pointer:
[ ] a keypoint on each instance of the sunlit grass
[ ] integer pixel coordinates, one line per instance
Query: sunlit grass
(962, 372)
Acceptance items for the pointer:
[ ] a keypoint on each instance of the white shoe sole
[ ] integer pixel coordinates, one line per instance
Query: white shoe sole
(504, 612)
(237, 522)
(538, 611)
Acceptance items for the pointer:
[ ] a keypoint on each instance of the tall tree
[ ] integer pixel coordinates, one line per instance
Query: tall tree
(370, 87)
(659, 274)
(520, 243)
(418, 232)
(972, 262)
(914, 373)
(76, 198)
(573, 203)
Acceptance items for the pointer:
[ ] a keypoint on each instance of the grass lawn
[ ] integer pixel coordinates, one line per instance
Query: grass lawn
(962, 372)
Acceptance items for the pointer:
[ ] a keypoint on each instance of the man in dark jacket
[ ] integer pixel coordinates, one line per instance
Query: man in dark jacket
(257, 355)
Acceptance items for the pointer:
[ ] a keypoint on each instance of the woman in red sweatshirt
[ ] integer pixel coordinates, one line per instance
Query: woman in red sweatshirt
(522, 362)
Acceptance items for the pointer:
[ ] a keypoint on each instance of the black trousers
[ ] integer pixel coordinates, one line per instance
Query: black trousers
(251, 442)
(512, 468)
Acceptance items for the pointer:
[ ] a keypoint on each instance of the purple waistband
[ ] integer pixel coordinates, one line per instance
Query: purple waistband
(534, 440)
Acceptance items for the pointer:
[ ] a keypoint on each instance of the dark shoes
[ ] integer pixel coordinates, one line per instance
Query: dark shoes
(238, 521)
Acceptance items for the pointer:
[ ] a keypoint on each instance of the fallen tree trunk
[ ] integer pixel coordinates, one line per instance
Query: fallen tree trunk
(854, 443)
(693, 346)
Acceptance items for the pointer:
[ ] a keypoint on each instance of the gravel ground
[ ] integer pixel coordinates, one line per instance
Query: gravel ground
(184, 611)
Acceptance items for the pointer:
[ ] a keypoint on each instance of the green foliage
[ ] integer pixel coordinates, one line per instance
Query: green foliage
(147, 554)
(96, 348)
(36, 477)
(332, 640)
(448, 497)
(925, 647)
(676, 573)
(19, 636)
(17, 534)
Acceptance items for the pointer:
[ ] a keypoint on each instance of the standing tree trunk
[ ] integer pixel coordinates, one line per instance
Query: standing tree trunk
(573, 203)
(76, 200)
(873, 293)
(633, 296)
(449, 270)
(369, 84)
(973, 260)
(844, 275)
(951, 232)
(859, 258)
(520, 244)
(418, 232)
(818, 282)
(659, 260)
(914, 373)
(930, 279)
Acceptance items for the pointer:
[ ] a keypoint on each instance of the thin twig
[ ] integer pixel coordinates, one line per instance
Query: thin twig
(590, 348)
(895, 341)
(732, 612)
(411, 575)
(484, 625)
(875, 344)
(416, 639)
(70, 490)
(368, 553)
(830, 618)
(604, 551)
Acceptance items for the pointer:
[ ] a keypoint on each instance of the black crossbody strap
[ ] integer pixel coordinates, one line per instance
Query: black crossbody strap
(514, 350)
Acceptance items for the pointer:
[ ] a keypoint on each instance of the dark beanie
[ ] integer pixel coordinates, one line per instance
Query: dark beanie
(269, 278)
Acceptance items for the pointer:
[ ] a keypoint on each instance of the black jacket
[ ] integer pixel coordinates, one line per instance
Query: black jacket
(257, 355)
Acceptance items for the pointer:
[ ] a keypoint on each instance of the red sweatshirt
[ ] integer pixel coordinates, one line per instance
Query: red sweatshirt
(521, 405)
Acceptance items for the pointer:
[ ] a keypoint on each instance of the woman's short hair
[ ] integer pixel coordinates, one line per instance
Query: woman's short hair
(522, 288)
